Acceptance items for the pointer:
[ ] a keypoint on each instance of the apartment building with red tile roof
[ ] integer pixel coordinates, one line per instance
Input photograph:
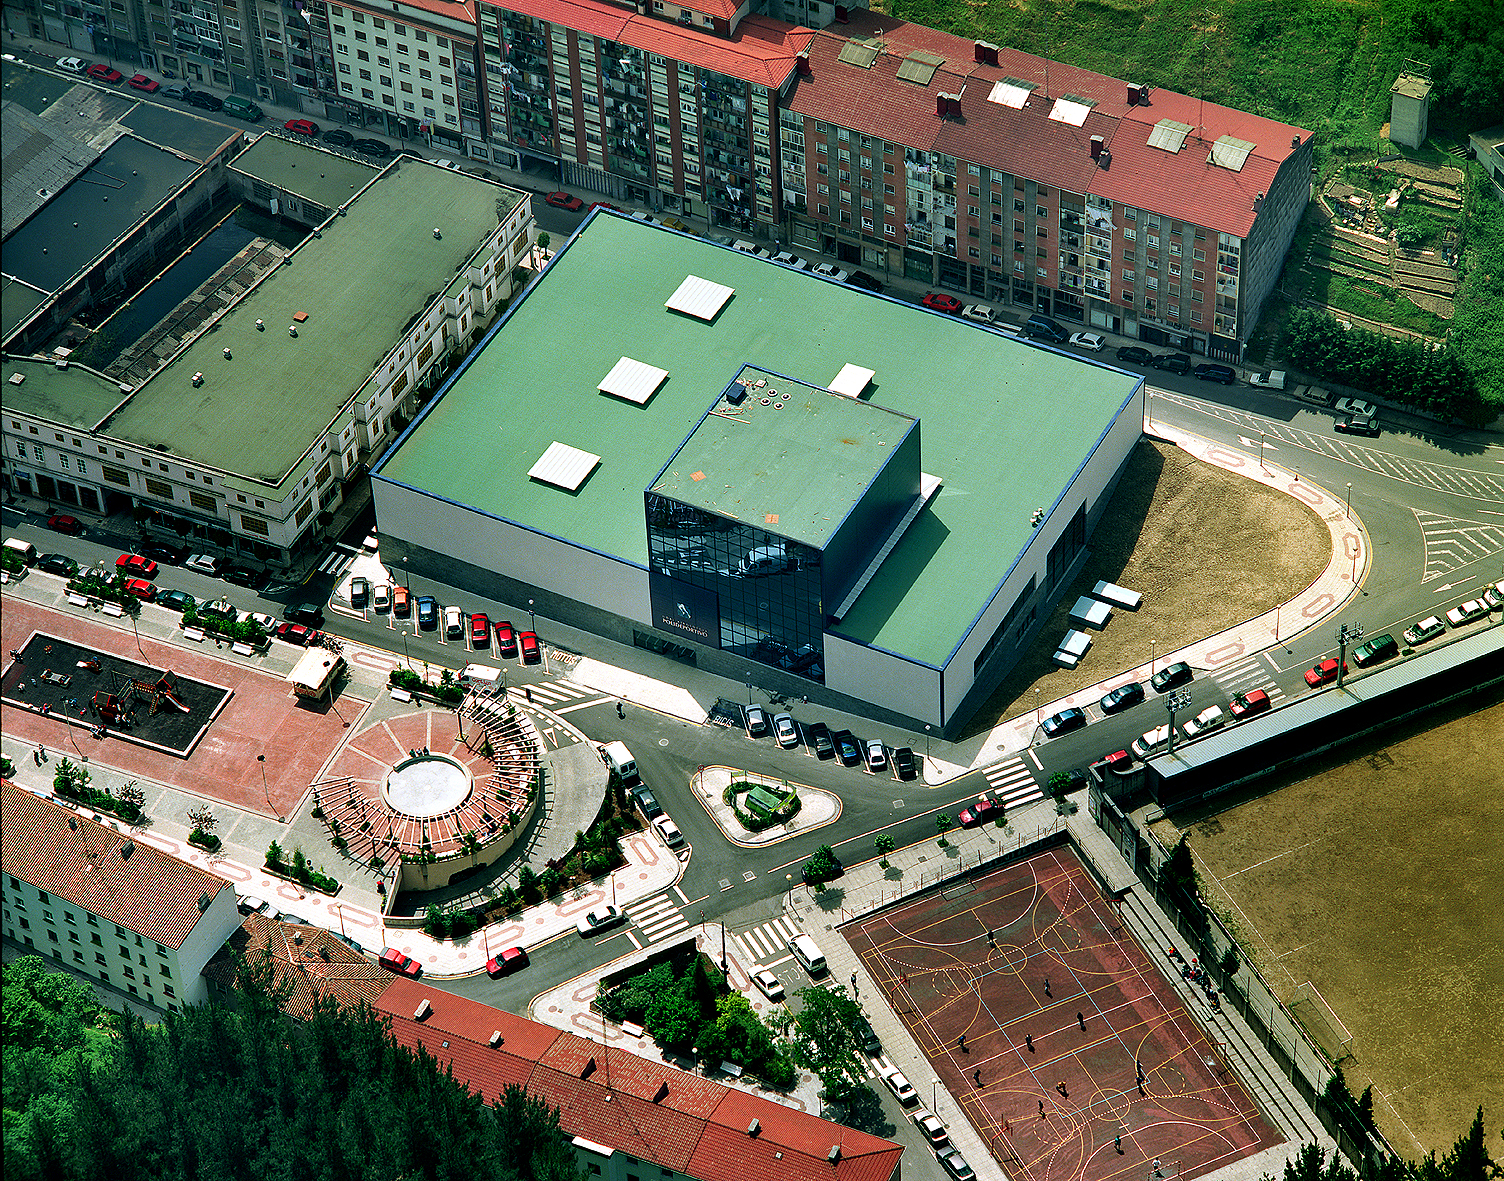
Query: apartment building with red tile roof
(106, 905)
(312, 964)
(622, 1111)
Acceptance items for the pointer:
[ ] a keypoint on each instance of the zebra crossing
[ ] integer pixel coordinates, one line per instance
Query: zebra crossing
(1014, 784)
(767, 941)
(657, 917)
(1252, 673)
(559, 696)
(337, 560)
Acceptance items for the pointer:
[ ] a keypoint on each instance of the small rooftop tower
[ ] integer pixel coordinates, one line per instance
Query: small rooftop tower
(1409, 104)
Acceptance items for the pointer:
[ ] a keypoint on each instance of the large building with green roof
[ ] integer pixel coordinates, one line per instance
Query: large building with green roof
(780, 477)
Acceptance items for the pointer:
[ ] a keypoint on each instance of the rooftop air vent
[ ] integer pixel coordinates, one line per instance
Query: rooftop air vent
(834, 1154)
(126, 850)
(754, 1127)
(495, 1039)
(423, 1010)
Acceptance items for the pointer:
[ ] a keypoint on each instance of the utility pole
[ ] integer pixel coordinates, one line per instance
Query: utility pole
(1348, 633)
(1179, 699)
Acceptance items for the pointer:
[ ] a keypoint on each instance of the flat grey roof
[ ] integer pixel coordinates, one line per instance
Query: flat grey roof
(1005, 424)
(791, 458)
(182, 130)
(306, 169)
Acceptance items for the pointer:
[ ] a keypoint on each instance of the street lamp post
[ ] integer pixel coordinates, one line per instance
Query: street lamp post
(532, 618)
(1036, 705)
(1348, 633)
(1349, 501)
(1179, 699)
(266, 791)
(1261, 451)
(926, 743)
(407, 579)
(1153, 655)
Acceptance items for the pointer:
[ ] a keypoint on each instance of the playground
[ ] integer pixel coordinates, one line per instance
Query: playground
(1066, 1047)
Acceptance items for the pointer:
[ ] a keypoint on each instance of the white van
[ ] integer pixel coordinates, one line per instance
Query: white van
(22, 549)
(807, 953)
(479, 676)
(620, 760)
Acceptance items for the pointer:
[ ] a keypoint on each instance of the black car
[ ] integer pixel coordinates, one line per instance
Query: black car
(1131, 352)
(1172, 362)
(339, 137)
(903, 762)
(1063, 722)
(646, 803)
(373, 147)
(1368, 427)
(1222, 373)
(243, 576)
(1170, 676)
(220, 609)
(310, 613)
(205, 101)
(865, 281)
(820, 742)
(58, 564)
(161, 551)
(1122, 697)
(848, 750)
(176, 600)
(428, 612)
(1374, 650)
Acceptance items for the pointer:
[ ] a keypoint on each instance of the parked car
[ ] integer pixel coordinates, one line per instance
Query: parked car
(978, 313)
(103, 73)
(602, 918)
(1323, 672)
(646, 802)
(1122, 697)
(205, 101)
(930, 1125)
(180, 93)
(360, 591)
(480, 630)
(1151, 742)
(1374, 650)
(847, 749)
(1209, 719)
(74, 65)
(243, 576)
(295, 633)
(428, 612)
(394, 961)
(904, 764)
(604, 205)
(768, 984)
(750, 248)
(161, 551)
(830, 271)
(531, 652)
(302, 127)
(310, 613)
(143, 83)
(1136, 355)
(136, 565)
(1493, 596)
(1427, 629)
(789, 259)
(785, 730)
(381, 597)
(1089, 341)
(1270, 379)
(62, 523)
(980, 812)
(1466, 612)
(820, 740)
(669, 831)
(1223, 373)
(203, 563)
(454, 623)
(1356, 407)
(955, 1164)
(58, 564)
(1170, 676)
(1172, 363)
(402, 602)
(757, 721)
(865, 281)
(1118, 760)
(1245, 705)
(902, 1089)
(373, 147)
(140, 588)
(938, 301)
(876, 756)
(506, 638)
(339, 137)
(268, 623)
(506, 961)
(564, 201)
(1063, 722)
(220, 609)
(1367, 427)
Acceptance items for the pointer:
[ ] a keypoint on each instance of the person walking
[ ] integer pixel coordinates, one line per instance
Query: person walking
(1081, 1020)
(962, 1043)
(976, 1076)
(1047, 987)
(1029, 1041)
(621, 713)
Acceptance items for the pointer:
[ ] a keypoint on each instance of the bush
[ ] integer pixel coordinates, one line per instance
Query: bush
(822, 866)
(204, 840)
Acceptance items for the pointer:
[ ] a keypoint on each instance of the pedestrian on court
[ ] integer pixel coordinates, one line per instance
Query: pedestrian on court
(1047, 986)
(1157, 1173)
(1118, 1144)
(621, 713)
(1029, 1041)
(1041, 1109)
(36, 757)
(1064, 1094)
(962, 1043)
(1081, 1020)
(976, 1077)
(43, 749)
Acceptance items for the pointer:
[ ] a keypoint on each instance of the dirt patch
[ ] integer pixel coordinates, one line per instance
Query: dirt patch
(1376, 878)
(1207, 548)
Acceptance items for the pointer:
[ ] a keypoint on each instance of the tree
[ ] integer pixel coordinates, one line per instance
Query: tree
(544, 240)
(883, 843)
(820, 1037)
(1179, 872)
(69, 779)
(942, 825)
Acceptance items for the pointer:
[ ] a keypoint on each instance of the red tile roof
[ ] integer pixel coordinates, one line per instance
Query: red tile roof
(1026, 142)
(457, 10)
(309, 960)
(761, 50)
(87, 864)
(698, 1127)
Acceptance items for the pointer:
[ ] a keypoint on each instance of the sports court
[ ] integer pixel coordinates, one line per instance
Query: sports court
(1060, 1008)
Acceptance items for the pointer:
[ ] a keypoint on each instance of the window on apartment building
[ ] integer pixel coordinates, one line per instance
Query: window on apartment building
(359, 36)
(1199, 276)
(362, 55)
(365, 92)
(973, 211)
(365, 75)
(386, 80)
(401, 47)
(407, 87)
(427, 75)
(1018, 205)
(427, 93)
(1018, 247)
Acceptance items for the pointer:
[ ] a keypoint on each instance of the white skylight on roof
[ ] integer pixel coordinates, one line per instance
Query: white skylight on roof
(700, 298)
(851, 381)
(1169, 135)
(635, 381)
(1069, 111)
(1230, 153)
(1010, 93)
(564, 466)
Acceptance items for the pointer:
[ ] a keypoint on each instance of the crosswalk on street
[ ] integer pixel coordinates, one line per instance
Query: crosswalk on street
(1246, 675)
(1014, 784)
(337, 560)
(766, 941)
(558, 696)
(657, 917)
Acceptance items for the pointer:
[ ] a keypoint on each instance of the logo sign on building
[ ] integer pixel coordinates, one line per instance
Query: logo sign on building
(683, 610)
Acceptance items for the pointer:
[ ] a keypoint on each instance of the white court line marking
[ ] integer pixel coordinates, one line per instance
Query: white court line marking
(1267, 860)
(681, 895)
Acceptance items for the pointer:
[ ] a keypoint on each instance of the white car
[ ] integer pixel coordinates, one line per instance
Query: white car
(74, 65)
(1356, 407)
(1089, 341)
(454, 623)
(203, 563)
(1270, 379)
(268, 622)
(669, 831)
(980, 313)
(751, 248)
(931, 1125)
(1494, 595)
(876, 756)
(1466, 612)
(789, 259)
(1427, 629)
(768, 984)
(602, 918)
(1209, 719)
(381, 597)
(955, 1164)
(1151, 741)
(785, 730)
(831, 271)
(250, 904)
(902, 1089)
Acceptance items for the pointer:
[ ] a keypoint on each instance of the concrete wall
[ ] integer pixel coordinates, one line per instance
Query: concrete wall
(890, 682)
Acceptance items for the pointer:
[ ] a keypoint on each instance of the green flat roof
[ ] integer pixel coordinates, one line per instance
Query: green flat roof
(306, 169)
(792, 458)
(361, 284)
(73, 396)
(1005, 424)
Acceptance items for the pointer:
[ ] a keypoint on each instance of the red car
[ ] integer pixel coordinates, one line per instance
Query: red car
(394, 961)
(604, 205)
(142, 82)
(480, 630)
(302, 126)
(64, 524)
(1246, 704)
(506, 637)
(1324, 672)
(103, 73)
(564, 201)
(294, 633)
(140, 588)
(506, 961)
(938, 302)
(531, 653)
(136, 565)
(980, 812)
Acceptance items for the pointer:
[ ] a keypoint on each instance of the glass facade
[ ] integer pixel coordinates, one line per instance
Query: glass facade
(768, 587)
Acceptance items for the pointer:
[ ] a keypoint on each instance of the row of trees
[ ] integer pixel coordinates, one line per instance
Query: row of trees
(1407, 371)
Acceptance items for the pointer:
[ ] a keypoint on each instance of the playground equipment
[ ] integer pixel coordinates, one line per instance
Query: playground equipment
(117, 703)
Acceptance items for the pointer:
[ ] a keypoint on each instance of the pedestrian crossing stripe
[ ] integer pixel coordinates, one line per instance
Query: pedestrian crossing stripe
(657, 917)
(550, 692)
(1247, 674)
(755, 943)
(337, 560)
(1013, 783)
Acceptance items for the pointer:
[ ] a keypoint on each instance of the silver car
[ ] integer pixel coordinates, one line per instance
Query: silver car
(785, 730)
